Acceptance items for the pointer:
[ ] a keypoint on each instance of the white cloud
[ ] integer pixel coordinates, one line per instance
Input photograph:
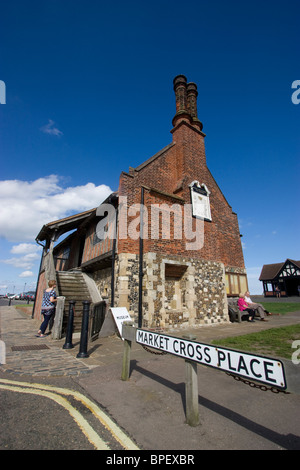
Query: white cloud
(51, 129)
(25, 248)
(25, 206)
(25, 262)
(26, 274)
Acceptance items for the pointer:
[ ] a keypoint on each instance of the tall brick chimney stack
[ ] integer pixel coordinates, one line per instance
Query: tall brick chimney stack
(192, 94)
(186, 102)
(180, 88)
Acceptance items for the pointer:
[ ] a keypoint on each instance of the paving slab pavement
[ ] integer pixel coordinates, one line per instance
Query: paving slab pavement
(28, 355)
(18, 330)
(151, 405)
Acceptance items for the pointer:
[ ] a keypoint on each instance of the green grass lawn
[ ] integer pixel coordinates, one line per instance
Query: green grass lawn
(281, 308)
(272, 342)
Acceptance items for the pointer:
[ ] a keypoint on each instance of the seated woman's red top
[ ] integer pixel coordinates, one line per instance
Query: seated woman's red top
(242, 304)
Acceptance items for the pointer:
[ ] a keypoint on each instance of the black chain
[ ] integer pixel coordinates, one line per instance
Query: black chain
(158, 353)
(261, 387)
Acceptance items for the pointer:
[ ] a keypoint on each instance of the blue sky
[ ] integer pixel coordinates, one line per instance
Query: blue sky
(89, 92)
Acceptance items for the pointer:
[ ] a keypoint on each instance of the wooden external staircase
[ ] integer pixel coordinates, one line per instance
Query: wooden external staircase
(72, 286)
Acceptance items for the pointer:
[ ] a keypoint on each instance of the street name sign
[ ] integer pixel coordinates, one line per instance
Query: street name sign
(259, 368)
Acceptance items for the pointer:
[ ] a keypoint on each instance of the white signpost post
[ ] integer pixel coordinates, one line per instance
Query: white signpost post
(2, 353)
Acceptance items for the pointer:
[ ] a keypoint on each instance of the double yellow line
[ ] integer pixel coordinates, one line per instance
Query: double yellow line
(55, 393)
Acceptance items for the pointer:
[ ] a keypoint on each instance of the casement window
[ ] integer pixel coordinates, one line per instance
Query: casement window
(235, 283)
(61, 260)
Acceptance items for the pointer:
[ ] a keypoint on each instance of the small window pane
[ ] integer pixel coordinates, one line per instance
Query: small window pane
(227, 284)
(243, 284)
(234, 284)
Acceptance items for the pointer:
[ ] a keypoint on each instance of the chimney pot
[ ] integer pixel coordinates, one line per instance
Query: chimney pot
(186, 101)
(180, 93)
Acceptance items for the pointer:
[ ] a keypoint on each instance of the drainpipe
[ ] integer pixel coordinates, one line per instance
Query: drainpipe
(112, 303)
(141, 274)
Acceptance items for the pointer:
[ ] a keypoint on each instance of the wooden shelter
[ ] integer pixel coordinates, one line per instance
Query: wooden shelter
(285, 276)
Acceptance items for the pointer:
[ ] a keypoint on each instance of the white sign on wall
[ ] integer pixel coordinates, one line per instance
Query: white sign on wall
(200, 200)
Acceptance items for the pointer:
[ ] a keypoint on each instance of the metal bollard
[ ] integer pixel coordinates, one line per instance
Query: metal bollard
(68, 344)
(84, 330)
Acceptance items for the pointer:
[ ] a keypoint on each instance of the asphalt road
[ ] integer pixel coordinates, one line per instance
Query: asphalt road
(53, 414)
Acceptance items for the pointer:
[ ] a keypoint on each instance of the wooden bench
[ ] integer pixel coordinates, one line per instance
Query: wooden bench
(234, 312)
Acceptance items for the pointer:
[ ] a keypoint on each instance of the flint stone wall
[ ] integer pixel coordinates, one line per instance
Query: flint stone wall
(194, 297)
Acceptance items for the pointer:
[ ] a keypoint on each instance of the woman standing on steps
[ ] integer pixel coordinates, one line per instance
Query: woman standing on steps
(48, 307)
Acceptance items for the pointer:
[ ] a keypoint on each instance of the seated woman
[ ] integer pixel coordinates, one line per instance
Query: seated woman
(244, 307)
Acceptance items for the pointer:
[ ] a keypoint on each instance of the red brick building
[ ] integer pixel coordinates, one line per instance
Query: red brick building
(177, 270)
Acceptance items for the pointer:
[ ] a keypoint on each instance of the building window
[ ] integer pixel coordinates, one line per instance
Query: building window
(235, 283)
(61, 260)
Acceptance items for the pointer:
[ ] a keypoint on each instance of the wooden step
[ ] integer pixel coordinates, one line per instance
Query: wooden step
(72, 286)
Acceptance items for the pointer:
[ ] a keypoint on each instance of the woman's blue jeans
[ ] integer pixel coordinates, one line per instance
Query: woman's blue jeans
(45, 323)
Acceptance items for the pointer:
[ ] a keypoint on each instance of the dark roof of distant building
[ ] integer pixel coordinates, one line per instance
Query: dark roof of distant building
(270, 271)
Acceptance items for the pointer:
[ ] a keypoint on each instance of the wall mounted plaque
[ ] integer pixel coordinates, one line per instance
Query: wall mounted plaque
(200, 200)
